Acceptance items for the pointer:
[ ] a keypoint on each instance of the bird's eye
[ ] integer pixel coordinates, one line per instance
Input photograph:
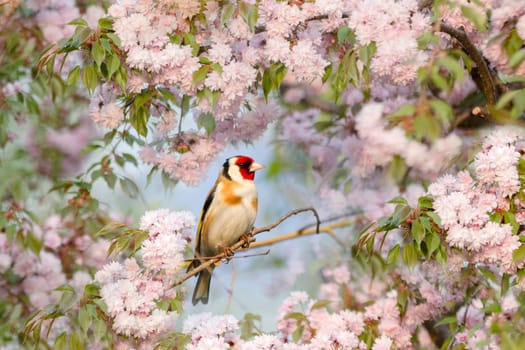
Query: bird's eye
(244, 165)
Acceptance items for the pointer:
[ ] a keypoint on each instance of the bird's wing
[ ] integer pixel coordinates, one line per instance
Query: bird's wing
(204, 211)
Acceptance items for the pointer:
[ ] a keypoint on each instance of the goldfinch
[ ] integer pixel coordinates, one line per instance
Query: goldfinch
(228, 213)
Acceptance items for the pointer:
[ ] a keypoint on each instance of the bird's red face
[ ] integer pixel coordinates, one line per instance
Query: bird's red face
(244, 163)
(241, 168)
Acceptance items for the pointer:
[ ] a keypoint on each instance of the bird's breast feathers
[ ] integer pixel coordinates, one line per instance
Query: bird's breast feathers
(231, 214)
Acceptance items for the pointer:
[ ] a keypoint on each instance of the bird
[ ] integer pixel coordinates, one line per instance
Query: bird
(228, 213)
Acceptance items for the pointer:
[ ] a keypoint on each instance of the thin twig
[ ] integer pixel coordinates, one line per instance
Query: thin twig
(304, 232)
(286, 216)
(237, 246)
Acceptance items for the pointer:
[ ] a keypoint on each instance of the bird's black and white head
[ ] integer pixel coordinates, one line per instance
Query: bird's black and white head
(240, 168)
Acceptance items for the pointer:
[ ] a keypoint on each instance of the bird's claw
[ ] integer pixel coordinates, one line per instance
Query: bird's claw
(246, 238)
(227, 251)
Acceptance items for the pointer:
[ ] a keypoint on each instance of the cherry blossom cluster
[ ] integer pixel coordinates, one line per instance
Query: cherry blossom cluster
(65, 143)
(132, 289)
(375, 145)
(291, 36)
(438, 287)
(42, 272)
(397, 57)
(322, 329)
(53, 16)
(465, 203)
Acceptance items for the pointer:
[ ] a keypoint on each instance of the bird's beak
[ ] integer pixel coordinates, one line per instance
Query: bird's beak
(255, 167)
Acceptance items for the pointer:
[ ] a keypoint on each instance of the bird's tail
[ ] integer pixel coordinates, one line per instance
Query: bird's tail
(202, 288)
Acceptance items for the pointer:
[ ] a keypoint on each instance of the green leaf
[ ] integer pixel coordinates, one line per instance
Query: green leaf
(105, 23)
(492, 308)
(80, 22)
(73, 76)
(426, 127)
(84, 319)
(114, 38)
(91, 289)
(189, 39)
(130, 158)
(510, 218)
(433, 242)
(516, 58)
(167, 94)
(113, 64)
(345, 36)
(65, 288)
(393, 255)
(121, 78)
(139, 120)
(519, 254)
(212, 96)
(129, 187)
(206, 121)
(424, 202)
(434, 217)
(449, 320)
(320, 304)
(488, 274)
(438, 80)
(398, 200)
(427, 38)
(442, 110)
(33, 243)
(417, 231)
(401, 214)
(273, 77)
(452, 65)
(347, 72)
(249, 14)
(200, 74)
(479, 19)
(185, 105)
(397, 169)
(110, 179)
(366, 53)
(409, 255)
(327, 72)
(266, 83)
(507, 97)
(323, 125)
(505, 283)
(81, 35)
(60, 342)
(75, 342)
(90, 78)
(227, 12)
(513, 43)
(97, 52)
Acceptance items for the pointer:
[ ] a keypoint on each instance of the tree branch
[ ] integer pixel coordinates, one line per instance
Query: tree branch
(487, 80)
(329, 229)
(239, 245)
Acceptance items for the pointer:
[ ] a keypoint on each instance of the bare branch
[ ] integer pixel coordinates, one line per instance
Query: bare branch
(329, 229)
(286, 216)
